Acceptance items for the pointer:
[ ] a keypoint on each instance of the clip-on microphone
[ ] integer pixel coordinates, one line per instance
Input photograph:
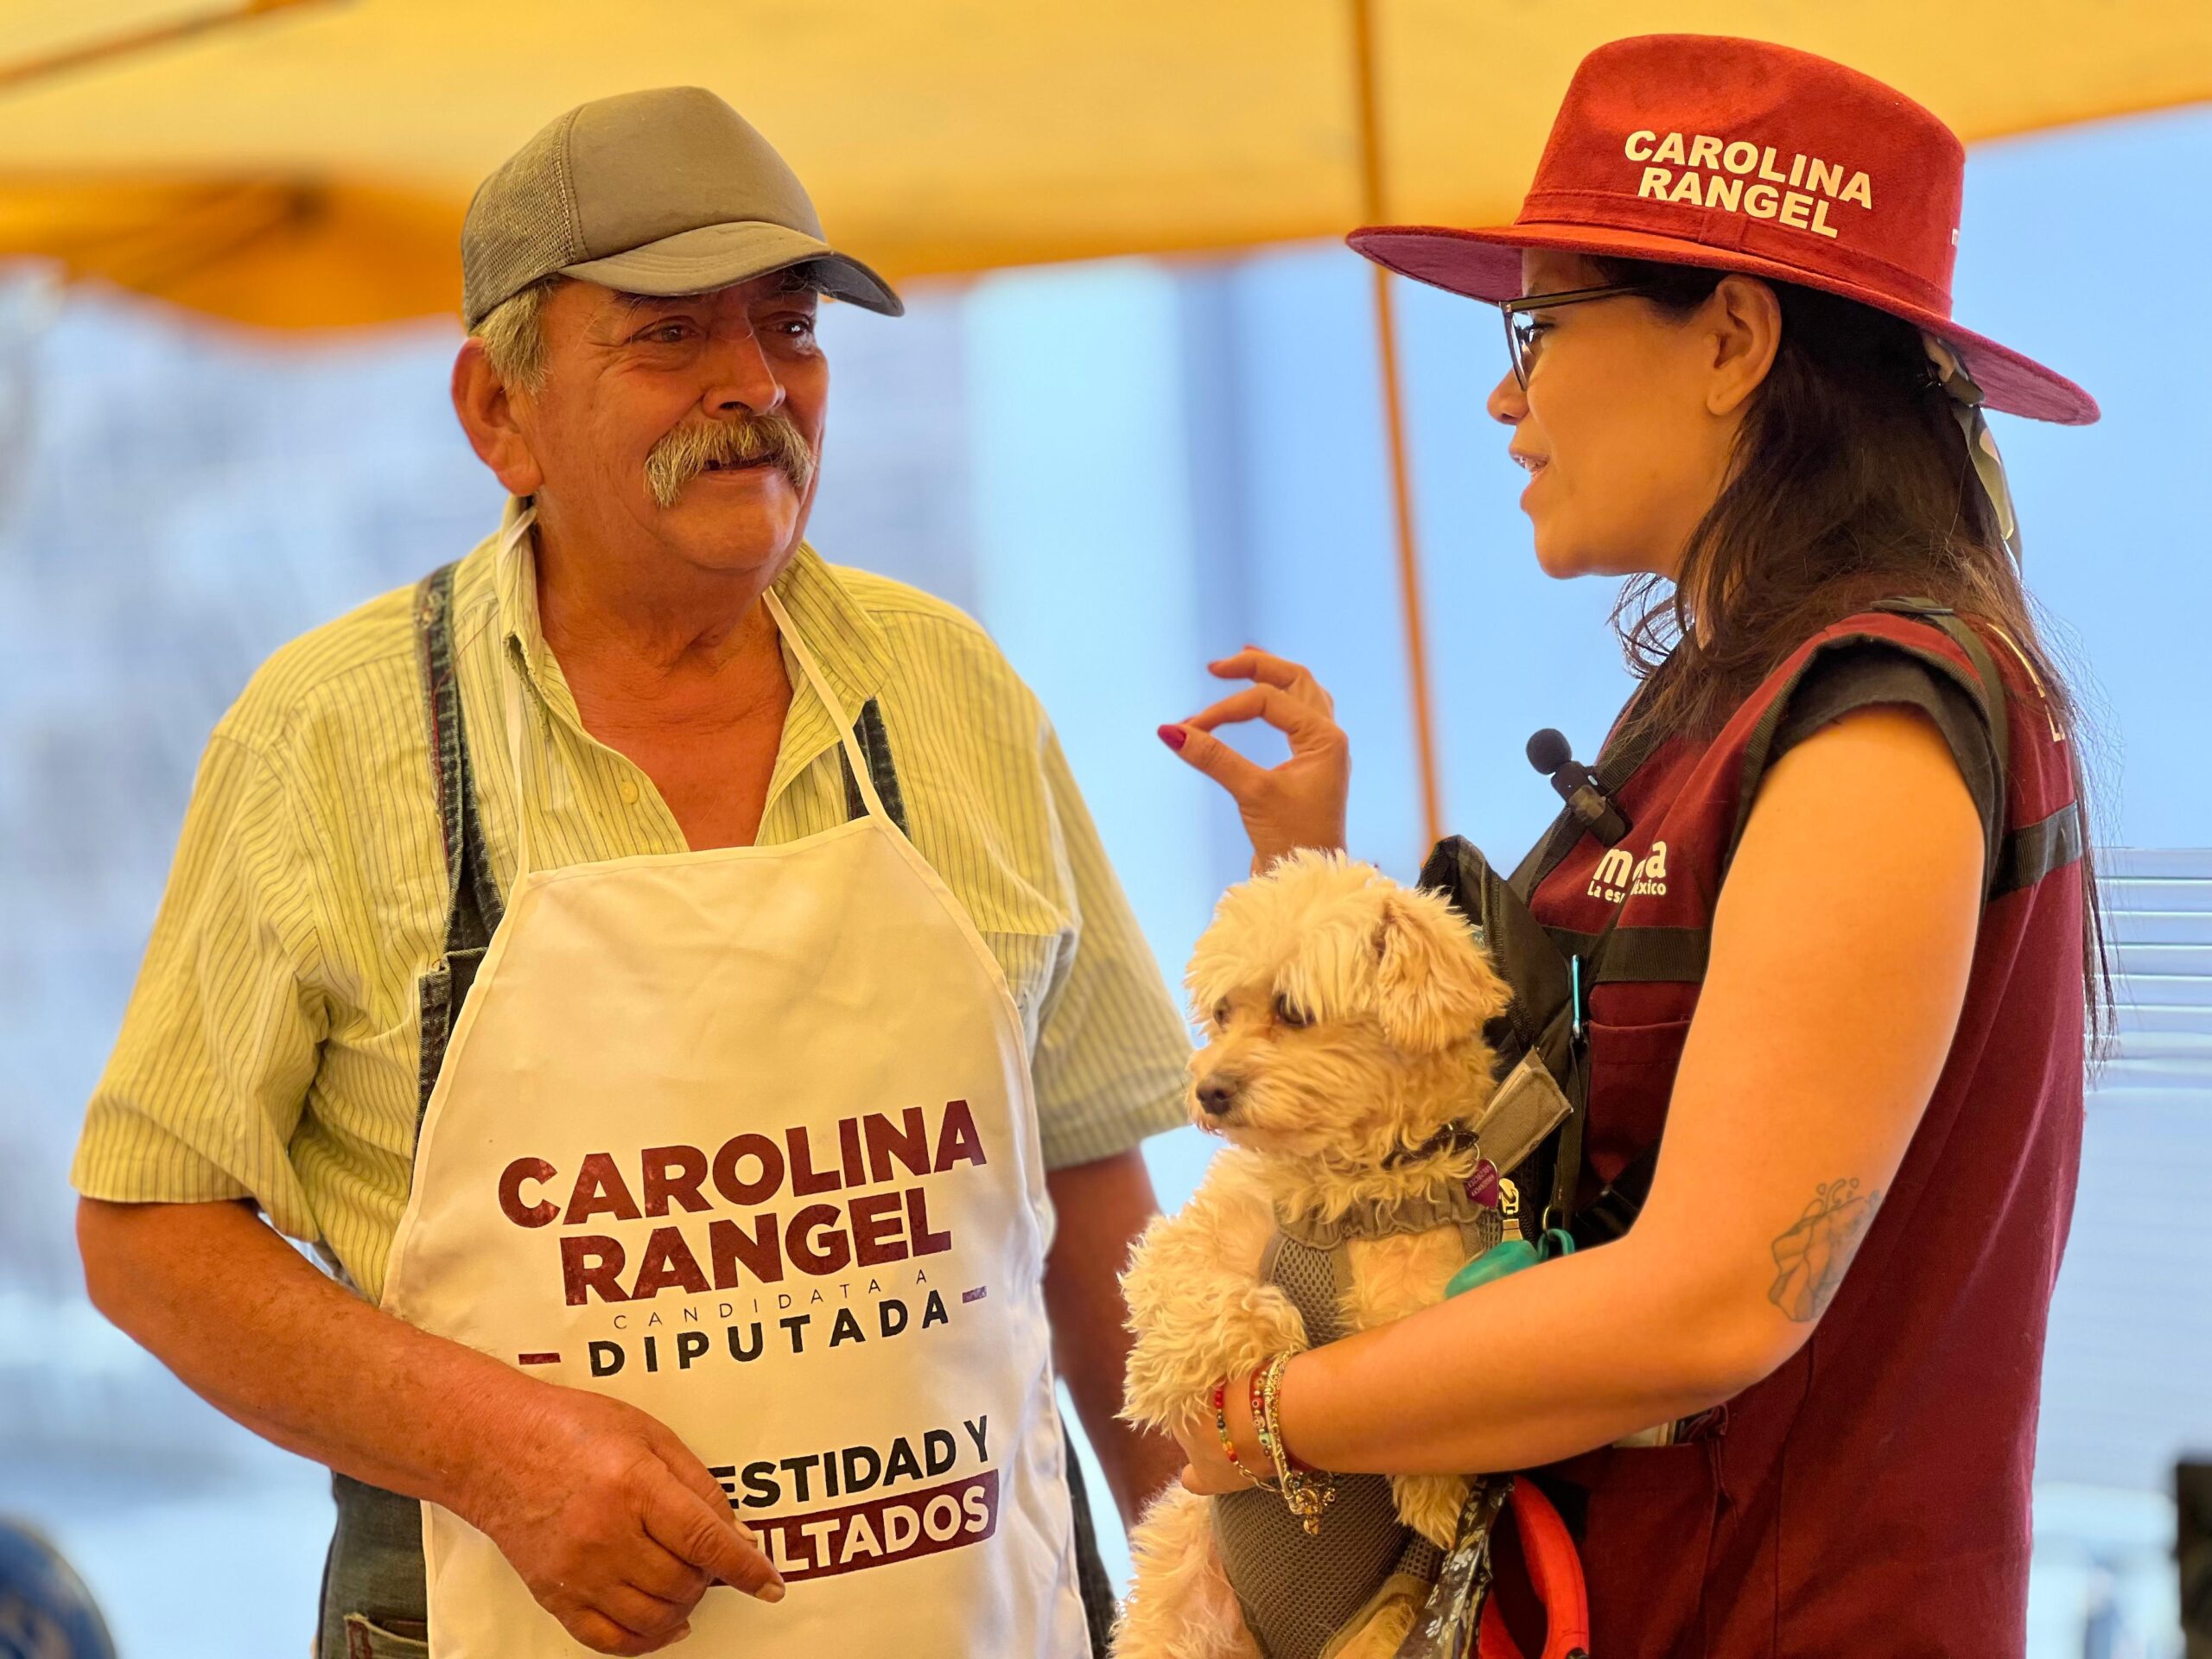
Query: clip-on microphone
(1549, 753)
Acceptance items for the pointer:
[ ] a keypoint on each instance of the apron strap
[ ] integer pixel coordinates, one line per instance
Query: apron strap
(516, 709)
(860, 767)
(871, 783)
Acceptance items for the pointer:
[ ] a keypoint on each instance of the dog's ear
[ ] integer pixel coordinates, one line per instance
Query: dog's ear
(1434, 985)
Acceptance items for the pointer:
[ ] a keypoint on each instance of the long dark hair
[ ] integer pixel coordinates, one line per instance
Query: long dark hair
(1850, 484)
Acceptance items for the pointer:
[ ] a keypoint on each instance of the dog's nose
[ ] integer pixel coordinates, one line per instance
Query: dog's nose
(1217, 1095)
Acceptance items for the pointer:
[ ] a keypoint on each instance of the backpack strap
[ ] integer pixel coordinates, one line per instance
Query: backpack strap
(1541, 1022)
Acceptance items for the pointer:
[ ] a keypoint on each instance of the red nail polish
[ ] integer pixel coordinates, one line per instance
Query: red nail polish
(1174, 737)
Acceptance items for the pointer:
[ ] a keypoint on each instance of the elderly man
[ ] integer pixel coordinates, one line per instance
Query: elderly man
(676, 986)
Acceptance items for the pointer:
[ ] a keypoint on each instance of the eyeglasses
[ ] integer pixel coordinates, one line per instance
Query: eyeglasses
(1523, 333)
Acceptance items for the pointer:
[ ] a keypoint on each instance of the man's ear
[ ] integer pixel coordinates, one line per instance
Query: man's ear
(1745, 328)
(487, 410)
(1434, 985)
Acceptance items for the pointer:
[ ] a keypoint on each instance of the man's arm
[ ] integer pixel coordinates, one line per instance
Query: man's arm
(1102, 1206)
(1109, 1069)
(615, 1526)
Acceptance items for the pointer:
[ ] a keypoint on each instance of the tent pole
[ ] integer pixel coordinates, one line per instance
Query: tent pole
(15, 75)
(1373, 198)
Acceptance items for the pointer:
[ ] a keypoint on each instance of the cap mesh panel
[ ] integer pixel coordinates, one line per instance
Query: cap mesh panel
(521, 225)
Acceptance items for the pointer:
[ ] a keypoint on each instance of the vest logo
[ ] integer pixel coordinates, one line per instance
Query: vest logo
(1620, 875)
(1740, 177)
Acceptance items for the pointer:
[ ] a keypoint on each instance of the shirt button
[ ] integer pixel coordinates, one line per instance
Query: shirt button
(629, 792)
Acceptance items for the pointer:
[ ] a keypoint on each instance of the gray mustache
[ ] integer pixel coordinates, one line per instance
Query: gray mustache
(688, 451)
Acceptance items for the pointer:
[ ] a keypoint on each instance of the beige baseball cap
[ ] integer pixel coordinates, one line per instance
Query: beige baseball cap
(669, 191)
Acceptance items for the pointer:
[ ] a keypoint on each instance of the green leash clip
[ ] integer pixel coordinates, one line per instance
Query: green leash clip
(1512, 1252)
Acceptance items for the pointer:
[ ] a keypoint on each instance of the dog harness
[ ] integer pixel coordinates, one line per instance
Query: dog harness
(1302, 1597)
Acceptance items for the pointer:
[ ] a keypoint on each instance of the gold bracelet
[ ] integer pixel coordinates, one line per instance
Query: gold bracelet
(1306, 1492)
(1261, 1427)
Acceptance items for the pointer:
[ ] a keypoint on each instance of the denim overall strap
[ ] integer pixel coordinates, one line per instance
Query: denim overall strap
(875, 744)
(474, 904)
(375, 1601)
(374, 1598)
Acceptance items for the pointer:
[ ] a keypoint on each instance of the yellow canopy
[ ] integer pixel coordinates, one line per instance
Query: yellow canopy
(306, 163)
(309, 167)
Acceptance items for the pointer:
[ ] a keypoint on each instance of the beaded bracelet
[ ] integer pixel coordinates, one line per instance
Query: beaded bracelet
(1306, 1492)
(1256, 1409)
(1228, 1441)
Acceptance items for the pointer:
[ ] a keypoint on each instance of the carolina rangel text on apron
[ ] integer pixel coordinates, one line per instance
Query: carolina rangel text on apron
(744, 1138)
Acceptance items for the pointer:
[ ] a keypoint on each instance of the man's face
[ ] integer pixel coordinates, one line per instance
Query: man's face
(691, 422)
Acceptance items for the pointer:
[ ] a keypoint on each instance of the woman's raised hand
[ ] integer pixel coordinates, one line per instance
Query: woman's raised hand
(1298, 803)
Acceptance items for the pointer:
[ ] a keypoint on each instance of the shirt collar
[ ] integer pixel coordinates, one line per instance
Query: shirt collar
(847, 644)
(515, 584)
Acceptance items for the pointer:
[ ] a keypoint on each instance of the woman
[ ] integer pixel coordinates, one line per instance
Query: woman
(1844, 957)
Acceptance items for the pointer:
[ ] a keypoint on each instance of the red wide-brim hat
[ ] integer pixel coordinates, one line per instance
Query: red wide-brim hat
(1699, 149)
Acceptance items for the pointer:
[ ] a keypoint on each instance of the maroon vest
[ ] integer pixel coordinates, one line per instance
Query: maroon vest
(1872, 1497)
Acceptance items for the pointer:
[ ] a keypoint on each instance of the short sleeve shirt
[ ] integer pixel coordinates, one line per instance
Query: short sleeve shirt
(270, 1049)
(1871, 673)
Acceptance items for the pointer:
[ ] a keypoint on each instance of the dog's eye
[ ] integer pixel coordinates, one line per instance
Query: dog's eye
(1287, 1012)
(1221, 1014)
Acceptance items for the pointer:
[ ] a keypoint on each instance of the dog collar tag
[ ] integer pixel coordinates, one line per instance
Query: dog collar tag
(1482, 1186)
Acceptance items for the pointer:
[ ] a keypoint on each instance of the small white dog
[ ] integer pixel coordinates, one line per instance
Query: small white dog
(1345, 1060)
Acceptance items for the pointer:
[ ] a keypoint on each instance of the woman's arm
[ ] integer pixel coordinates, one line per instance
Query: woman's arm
(1840, 947)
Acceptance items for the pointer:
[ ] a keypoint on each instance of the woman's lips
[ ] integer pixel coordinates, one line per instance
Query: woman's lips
(1534, 464)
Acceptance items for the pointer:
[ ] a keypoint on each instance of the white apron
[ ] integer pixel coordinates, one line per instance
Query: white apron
(745, 1138)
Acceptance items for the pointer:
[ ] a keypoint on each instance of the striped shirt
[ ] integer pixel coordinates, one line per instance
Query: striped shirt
(269, 1050)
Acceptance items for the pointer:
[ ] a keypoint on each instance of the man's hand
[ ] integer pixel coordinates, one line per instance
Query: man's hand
(615, 1527)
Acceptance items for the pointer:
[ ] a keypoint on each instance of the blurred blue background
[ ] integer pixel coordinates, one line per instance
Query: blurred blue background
(1123, 469)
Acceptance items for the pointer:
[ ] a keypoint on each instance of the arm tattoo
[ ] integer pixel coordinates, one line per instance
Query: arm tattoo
(1810, 1259)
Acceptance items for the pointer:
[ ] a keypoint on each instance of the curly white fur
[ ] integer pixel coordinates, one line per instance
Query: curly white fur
(1346, 1015)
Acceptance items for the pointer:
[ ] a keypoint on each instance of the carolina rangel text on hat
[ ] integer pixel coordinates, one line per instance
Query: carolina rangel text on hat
(1707, 150)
